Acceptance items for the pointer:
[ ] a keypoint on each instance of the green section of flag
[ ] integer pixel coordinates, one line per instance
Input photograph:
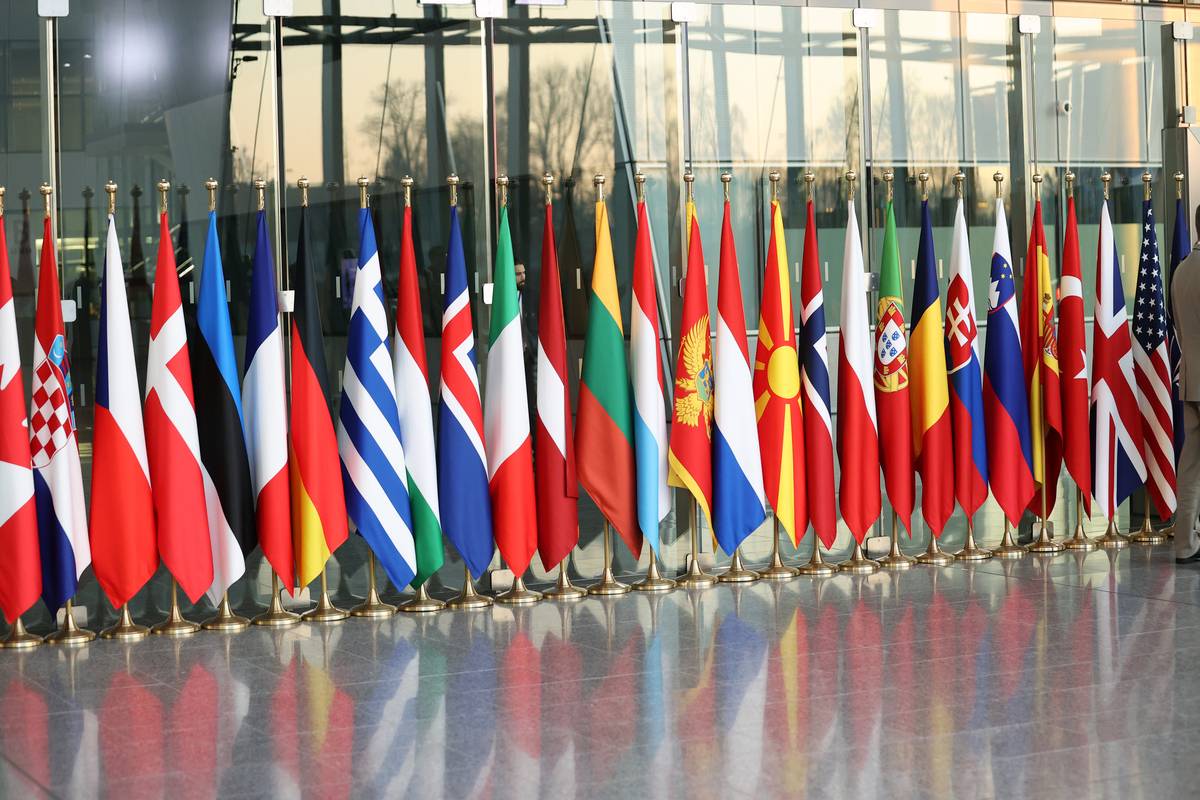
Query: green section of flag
(889, 267)
(504, 282)
(427, 536)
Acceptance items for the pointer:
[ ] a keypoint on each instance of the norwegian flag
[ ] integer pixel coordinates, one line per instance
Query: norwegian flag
(1153, 370)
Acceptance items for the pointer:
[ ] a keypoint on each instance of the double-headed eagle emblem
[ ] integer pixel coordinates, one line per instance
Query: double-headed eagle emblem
(695, 381)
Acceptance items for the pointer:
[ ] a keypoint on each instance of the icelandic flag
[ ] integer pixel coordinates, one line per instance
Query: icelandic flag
(1005, 404)
(1116, 422)
(739, 502)
(1181, 248)
(57, 474)
(462, 465)
(369, 443)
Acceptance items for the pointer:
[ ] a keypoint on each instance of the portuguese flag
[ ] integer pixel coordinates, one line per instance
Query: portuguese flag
(604, 425)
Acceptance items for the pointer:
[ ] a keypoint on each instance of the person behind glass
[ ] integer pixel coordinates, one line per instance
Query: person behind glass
(529, 344)
(1185, 298)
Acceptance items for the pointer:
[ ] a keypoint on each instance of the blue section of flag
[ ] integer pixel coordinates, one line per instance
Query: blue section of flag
(966, 389)
(646, 454)
(264, 299)
(1181, 248)
(737, 509)
(1002, 355)
(212, 313)
(58, 556)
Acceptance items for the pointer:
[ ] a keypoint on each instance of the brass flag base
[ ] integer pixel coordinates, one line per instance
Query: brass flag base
(126, 630)
(1008, 548)
(608, 584)
(563, 589)
(1147, 535)
(1112, 539)
(276, 616)
(777, 570)
(373, 607)
(817, 566)
(225, 621)
(1079, 542)
(70, 634)
(654, 582)
(1044, 544)
(469, 599)
(518, 595)
(736, 572)
(325, 610)
(695, 578)
(895, 560)
(858, 563)
(18, 638)
(175, 625)
(935, 556)
(972, 551)
(421, 603)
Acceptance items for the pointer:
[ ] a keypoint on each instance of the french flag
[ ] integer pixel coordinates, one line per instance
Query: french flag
(739, 501)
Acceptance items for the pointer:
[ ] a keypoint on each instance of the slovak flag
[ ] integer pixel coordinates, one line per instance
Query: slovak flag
(57, 474)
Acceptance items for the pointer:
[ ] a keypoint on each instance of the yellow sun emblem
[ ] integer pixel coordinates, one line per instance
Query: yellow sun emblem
(695, 380)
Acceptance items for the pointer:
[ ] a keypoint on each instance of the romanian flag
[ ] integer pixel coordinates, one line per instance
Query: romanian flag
(690, 455)
(891, 380)
(604, 422)
(1039, 355)
(1072, 335)
(931, 425)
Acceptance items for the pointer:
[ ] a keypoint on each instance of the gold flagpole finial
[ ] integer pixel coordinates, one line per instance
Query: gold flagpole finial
(689, 178)
(1146, 179)
(959, 179)
(363, 183)
(923, 177)
(453, 181)
(548, 185)
(851, 177)
(110, 188)
(1037, 186)
(2, 190)
(502, 184)
(774, 177)
(998, 177)
(639, 180)
(810, 177)
(889, 179)
(260, 186)
(163, 187)
(726, 177)
(598, 182)
(1106, 179)
(1069, 178)
(1179, 176)
(211, 185)
(407, 183)
(46, 190)
(303, 185)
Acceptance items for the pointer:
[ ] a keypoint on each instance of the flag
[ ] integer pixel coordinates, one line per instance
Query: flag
(1005, 403)
(553, 445)
(318, 502)
(220, 423)
(57, 474)
(20, 565)
(368, 424)
(891, 380)
(604, 425)
(966, 378)
(124, 550)
(462, 466)
(1039, 354)
(172, 440)
(506, 417)
(1181, 248)
(738, 498)
(777, 386)
(1072, 349)
(416, 411)
(1153, 371)
(689, 456)
(858, 440)
(265, 395)
(816, 461)
(933, 447)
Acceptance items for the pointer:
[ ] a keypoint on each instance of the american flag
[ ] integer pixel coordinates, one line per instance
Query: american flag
(1153, 370)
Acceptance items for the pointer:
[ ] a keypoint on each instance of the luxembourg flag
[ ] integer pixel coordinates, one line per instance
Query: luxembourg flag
(739, 502)
(369, 443)
(650, 411)
(57, 474)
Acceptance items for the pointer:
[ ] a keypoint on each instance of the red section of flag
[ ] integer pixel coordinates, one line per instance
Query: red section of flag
(1072, 362)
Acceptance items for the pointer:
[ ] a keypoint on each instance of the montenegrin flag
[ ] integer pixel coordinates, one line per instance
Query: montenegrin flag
(818, 411)
(1072, 359)
(124, 549)
(265, 402)
(739, 504)
(858, 440)
(462, 465)
(690, 452)
(553, 445)
(1005, 403)
(777, 403)
(506, 417)
(933, 446)
(604, 426)
(20, 562)
(891, 380)
(57, 473)
(221, 426)
(1039, 354)
(318, 503)
(416, 411)
(373, 472)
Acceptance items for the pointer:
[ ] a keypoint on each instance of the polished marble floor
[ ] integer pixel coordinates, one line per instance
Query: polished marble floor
(1072, 676)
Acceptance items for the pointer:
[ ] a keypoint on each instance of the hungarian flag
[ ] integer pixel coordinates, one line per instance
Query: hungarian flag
(891, 380)
(604, 426)
(739, 504)
(1072, 349)
(933, 447)
(221, 426)
(506, 417)
(1181, 248)
(172, 440)
(20, 563)
(124, 551)
(416, 411)
(816, 462)
(553, 445)
(57, 473)
(318, 504)
(690, 454)
(265, 395)
(858, 440)
(1005, 403)
(1039, 354)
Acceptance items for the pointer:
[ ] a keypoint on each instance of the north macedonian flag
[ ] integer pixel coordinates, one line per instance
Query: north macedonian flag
(891, 380)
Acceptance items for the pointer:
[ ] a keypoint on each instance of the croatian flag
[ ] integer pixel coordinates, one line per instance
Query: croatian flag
(373, 471)
(739, 502)
(57, 475)
(1116, 423)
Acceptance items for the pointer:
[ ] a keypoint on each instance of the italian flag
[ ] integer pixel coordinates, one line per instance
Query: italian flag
(506, 418)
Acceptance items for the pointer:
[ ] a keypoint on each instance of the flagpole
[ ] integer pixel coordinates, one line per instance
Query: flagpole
(175, 625)
(778, 571)
(816, 567)
(563, 588)
(18, 638)
(325, 610)
(972, 551)
(608, 584)
(372, 607)
(1008, 547)
(654, 582)
(469, 598)
(895, 559)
